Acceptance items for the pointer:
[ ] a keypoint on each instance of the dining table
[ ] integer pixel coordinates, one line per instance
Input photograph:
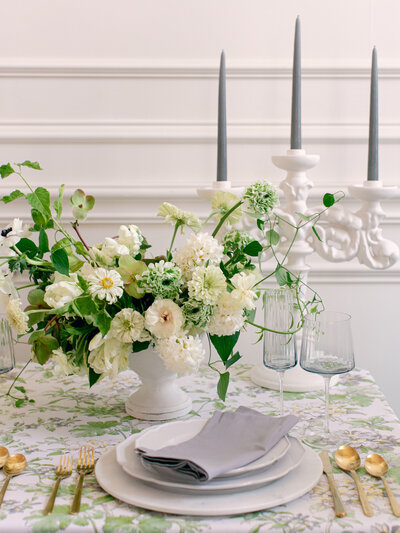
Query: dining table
(59, 414)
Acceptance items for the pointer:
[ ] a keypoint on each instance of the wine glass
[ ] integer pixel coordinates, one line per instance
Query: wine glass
(280, 351)
(7, 361)
(327, 349)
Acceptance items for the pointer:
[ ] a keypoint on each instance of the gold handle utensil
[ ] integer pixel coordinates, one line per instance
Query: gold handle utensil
(337, 501)
(85, 466)
(14, 465)
(377, 466)
(64, 469)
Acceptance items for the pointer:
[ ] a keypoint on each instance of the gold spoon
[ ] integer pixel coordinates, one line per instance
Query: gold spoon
(377, 466)
(348, 459)
(14, 465)
(4, 454)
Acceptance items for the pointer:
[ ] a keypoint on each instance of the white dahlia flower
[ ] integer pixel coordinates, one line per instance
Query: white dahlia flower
(164, 318)
(17, 319)
(243, 293)
(63, 290)
(196, 251)
(108, 356)
(227, 317)
(105, 284)
(207, 284)
(127, 326)
(182, 355)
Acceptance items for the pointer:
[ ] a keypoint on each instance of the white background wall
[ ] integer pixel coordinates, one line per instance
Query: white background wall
(120, 98)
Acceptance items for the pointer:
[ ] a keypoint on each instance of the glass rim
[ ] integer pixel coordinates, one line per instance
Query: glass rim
(341, 316)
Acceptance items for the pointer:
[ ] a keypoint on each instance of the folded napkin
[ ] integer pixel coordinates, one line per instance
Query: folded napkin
(228, 440)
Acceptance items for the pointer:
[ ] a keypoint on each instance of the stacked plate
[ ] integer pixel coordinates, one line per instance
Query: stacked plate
(285, 473)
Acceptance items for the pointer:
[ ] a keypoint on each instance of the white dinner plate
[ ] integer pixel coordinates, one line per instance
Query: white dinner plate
(112, 478)
(176, 432)
(291, 459)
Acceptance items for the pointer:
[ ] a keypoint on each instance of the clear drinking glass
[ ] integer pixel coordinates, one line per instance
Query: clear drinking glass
(280, 352)
(7, 361)
(327, 349)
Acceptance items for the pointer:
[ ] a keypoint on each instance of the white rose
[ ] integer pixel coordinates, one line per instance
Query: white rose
(108, 356)
(108, 251)
(164, 318)
(62, 291)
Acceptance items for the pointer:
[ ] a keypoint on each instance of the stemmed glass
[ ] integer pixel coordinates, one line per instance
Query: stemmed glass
(7, 360)
(327, 349)
(280, 352)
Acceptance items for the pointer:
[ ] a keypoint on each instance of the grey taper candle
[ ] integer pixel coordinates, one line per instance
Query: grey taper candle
(373, 155)
(295, 130)
(222, 166)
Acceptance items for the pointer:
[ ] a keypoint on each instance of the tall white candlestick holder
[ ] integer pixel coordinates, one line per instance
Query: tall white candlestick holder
(344, 236)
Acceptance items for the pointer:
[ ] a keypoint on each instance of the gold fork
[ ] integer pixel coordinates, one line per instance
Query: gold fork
(85, 466)
(64, 469)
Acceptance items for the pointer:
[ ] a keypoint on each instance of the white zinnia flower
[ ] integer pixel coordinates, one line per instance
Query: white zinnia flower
(196, 251)
(127, 325)
(207, 284)
(105, 284)
(63, 290)
(242, 292)
(227, 318)
(164, 318)
(107, 252)
(182, 355)
(17, 319)
(131, 237)
(108, 356)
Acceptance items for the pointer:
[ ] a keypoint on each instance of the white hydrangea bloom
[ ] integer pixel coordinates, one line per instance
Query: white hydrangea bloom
(131, 237)
(196, 251)
(164, 318)
(17, 319)
(182, 355)
(207, 284)
(105, 284)
(243, 293)
(107, 252)
(227, 318)
(63, 290)
(108, 356)
(127, 325)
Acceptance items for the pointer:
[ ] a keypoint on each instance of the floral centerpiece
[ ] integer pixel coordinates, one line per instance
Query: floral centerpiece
(90, 306)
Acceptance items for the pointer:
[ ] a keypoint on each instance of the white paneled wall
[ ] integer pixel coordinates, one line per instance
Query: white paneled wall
(120, 98)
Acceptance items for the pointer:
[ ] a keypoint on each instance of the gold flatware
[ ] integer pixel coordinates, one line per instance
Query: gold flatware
(376, 465)
(14, 465)
(4, 455)
(63, 470)
(348, 459)
(337, 501)
(85, 466)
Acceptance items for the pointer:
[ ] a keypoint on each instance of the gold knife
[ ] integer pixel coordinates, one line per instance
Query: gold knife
(337, 501)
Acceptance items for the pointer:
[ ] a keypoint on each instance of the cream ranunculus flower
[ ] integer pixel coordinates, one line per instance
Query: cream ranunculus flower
(127, 325)
(243, 292)
(207, 284)
(17, 319)
(164, 318)
(63, 290)
(108, 356)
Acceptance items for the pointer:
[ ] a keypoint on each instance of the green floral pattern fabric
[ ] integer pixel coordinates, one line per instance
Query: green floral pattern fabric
(67, 414)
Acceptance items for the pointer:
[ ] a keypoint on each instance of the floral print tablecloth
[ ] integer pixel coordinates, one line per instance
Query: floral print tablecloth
(66, 415)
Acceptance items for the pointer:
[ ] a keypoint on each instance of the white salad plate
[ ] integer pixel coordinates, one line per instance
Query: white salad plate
(133, 466)
(180, 431)
(112, 478)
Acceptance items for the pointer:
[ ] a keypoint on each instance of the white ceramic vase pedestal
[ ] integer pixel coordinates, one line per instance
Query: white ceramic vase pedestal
(158, 397)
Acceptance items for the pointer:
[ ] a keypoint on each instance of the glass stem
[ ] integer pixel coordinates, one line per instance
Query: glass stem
(327, 380)
(280, 374)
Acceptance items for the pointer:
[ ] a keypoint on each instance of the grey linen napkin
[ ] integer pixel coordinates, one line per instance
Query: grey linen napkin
(228, 440)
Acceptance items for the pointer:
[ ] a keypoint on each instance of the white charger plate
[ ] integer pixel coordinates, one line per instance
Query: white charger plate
(180, 431)
(112, 478)
(250, 481)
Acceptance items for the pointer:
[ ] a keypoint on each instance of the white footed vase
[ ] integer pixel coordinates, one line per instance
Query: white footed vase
(158, 397)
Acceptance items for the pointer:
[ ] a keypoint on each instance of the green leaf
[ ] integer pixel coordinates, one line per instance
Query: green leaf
(281, 276)
(253, 248)
(222, 386)
(43, 346)
(28, 247)
(19, 402)
(304, 217)
(6, 170)
(31, 164)
(59, 259)
(43, 241)
(85, 306)
(328, 200)
(232, 360)
(93, 377)
(40, 200)
(272, 236)
(139, 346)
(316, 233)
(103, 322)
(12, 196)
(260, 224)
(58, 203)
(224, 344)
